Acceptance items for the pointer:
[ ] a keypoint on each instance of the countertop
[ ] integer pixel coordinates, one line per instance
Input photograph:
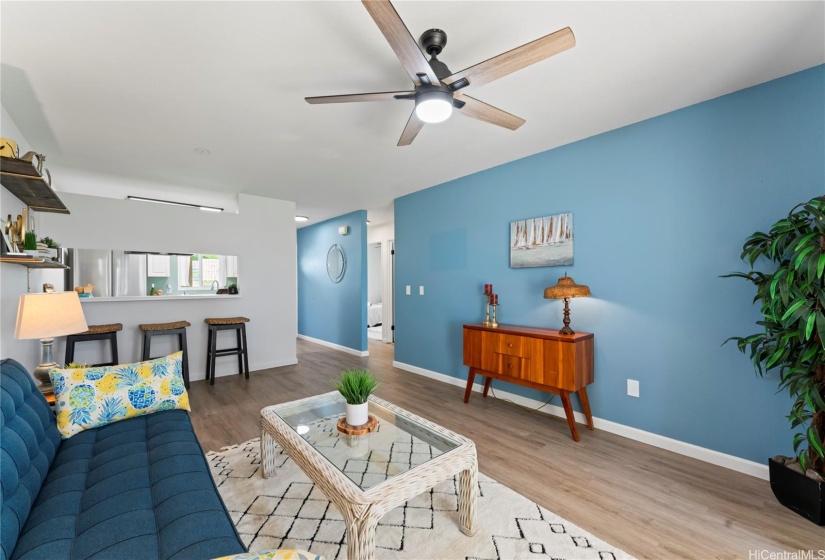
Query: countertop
(194, 297)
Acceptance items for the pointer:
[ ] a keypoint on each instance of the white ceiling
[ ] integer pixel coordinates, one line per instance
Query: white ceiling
(132, 88)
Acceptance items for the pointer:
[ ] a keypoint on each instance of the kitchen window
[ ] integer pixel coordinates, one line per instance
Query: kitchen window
(201, 271)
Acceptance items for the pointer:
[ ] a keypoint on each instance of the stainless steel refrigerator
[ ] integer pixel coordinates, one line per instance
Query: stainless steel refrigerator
(113, 273)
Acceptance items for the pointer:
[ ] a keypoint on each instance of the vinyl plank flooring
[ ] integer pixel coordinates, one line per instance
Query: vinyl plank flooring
(647, 501)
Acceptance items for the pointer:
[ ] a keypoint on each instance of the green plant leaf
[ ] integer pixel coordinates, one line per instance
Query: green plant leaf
(798, 439)
(820, 328)
(805, 239)
(815, 441)
(796, 306)
(809, 328)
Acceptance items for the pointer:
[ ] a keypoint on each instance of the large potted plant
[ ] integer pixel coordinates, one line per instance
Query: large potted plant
(790, 289)
(356, 386)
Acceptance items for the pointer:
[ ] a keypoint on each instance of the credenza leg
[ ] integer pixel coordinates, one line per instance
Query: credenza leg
(586, 407)
(487, 385)
(470, 378)
(568, 412)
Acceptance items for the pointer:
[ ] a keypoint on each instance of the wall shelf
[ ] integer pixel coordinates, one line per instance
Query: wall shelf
(32, 262)
(22, 179)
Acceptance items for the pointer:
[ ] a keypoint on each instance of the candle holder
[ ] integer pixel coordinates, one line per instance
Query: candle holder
(493, 322)
(486, 322)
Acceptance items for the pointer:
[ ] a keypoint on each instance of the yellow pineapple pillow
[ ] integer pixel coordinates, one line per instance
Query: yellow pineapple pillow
(92, 397)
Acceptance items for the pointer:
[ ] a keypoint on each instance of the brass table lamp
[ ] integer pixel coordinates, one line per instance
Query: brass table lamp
(565, 289)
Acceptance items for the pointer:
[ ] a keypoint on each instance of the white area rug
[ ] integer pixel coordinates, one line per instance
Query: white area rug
(288, 511)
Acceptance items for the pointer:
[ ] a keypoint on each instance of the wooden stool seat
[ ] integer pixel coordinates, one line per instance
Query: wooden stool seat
(226, 321)
(94, 332)
(164, 326)
(102, 329)
(237, 324)
(177, 328)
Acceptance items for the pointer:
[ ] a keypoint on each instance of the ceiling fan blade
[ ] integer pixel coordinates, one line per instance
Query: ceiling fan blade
(414, 126)
(399, 38)
(516, 59)
(479, 110)
(356, 97)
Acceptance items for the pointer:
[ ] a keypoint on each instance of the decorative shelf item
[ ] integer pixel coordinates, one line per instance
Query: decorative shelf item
(26, 181)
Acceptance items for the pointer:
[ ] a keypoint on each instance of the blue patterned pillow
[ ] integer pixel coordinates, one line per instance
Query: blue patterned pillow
(91, 397)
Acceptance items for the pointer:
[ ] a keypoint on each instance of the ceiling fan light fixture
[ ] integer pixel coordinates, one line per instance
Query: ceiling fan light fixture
(434, 106)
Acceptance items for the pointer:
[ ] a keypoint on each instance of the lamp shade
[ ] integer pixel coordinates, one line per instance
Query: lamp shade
(566, 287)
(49, 315)
(434, 106)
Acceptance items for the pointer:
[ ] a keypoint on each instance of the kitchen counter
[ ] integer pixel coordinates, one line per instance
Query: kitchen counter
(197, 297)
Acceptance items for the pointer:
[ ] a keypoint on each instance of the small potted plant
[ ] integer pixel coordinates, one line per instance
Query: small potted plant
(30, 244)
(356, 385)
(52, 247)
(232, 289)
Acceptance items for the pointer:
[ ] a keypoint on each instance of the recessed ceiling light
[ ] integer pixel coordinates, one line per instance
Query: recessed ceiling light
(202, 151)
(301, 218)
(368, 222)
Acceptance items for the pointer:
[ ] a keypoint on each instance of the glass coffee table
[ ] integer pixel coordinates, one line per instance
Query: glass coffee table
(367, 476)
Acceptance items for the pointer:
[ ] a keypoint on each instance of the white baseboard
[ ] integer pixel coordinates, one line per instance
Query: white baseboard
(682, 448)
(252, 368)
(348, 350)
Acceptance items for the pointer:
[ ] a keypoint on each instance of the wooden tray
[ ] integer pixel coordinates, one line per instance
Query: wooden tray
(345, 428)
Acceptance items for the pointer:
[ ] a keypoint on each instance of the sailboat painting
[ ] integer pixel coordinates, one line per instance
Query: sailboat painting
(546, 241)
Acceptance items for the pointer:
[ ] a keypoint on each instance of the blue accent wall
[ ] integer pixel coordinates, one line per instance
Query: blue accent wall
(660, 210)
(328, 311)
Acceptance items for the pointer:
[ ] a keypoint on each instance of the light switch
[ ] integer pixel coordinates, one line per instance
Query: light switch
(421, 290)
(632, 388)
(408, 290)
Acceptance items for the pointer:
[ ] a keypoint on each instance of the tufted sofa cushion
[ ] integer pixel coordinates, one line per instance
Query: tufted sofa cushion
(28, 442)
(138, 488)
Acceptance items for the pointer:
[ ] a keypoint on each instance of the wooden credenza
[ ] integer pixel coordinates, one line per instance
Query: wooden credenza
(537, 358)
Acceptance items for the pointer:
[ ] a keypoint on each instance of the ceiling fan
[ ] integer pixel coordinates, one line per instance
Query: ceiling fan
(437, 89)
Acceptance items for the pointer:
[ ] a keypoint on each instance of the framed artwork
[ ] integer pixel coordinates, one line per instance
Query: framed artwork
(546, 241)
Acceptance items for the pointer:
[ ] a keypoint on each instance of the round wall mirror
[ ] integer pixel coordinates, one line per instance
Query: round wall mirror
(336, 263)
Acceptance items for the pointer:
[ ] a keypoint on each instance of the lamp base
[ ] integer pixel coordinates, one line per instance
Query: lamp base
(566, 328)
(41, 372)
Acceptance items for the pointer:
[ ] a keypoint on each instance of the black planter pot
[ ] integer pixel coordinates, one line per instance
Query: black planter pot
(797, 492)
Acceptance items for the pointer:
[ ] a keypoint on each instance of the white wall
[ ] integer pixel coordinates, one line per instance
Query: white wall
(262, 234)
(374, 287)
(380, 232)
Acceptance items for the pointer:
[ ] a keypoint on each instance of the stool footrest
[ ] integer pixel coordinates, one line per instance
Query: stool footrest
(228, 351)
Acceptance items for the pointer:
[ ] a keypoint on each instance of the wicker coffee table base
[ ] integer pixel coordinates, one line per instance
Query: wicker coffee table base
(363, 509)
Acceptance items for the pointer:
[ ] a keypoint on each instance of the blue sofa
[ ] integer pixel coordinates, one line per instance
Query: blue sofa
(139, 488)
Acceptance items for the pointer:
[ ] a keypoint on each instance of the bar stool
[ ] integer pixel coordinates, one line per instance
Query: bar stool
(95, 332)
(238, 324)
(176, 328)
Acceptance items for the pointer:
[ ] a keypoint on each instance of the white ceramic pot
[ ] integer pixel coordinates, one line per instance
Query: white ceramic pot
(357, 414)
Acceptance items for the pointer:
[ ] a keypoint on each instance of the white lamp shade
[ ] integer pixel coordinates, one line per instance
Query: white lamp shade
(49, 315)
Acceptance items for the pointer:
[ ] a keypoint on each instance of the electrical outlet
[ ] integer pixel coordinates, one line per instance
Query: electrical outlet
(408, 290)
(421, 290)
(633, 388)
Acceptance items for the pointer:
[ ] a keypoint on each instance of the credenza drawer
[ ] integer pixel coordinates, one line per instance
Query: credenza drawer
(512, 345)
(512, 366)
